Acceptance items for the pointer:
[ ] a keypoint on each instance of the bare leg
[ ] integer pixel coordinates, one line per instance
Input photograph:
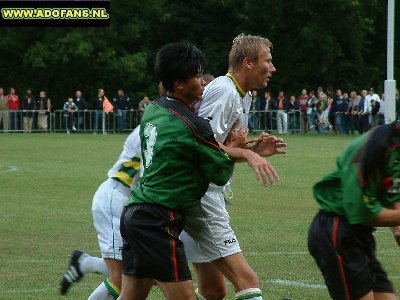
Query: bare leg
(238, 271)
(181, 290)
(211, 282)
(384, 296)
(135, 289)
(115, 268)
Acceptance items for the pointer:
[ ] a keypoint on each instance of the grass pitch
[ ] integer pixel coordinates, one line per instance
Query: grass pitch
(46, 188)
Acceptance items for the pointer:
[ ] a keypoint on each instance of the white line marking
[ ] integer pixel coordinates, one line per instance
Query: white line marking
(29, 261)
(8, 169)
(28, 291)
(295, 253)
(303, 284)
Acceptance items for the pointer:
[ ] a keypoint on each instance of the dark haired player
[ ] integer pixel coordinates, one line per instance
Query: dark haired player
(180, 158)
(362, 193)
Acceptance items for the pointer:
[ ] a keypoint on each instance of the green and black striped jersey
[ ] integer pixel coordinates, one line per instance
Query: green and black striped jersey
(180, 156)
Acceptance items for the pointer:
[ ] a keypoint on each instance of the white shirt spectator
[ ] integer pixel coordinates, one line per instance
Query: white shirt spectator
(367, 103)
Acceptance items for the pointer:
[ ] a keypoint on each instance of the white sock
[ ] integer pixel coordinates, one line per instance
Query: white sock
(101, 293)
(91, 264)
(251, 293)
(198, 295)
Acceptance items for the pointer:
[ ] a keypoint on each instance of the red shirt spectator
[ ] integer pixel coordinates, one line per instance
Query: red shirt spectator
(302, 100)
(13, 100)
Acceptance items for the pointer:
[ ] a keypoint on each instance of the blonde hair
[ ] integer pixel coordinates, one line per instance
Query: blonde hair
(246, 46)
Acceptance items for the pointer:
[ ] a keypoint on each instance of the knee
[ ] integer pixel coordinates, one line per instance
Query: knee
(253, 279)
(215, 292)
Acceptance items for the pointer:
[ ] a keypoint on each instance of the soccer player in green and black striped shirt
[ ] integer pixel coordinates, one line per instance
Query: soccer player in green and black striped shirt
(362, 193)
(180, 157)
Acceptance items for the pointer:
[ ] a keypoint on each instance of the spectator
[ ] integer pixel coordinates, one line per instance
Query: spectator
(322, 104)
(28, 106)
(13, 104)
(3, 110)
(374, 116)
(143, 104)
(293, 111)
(334, 111)
(121, 104)
(82, 106)
(381, 113)
(356, 102)
(363, 115)
(323, 108)
(320, 91)
(348, 114)
(254, 115)
(302, 100)
(99, 113)
(281, 118)
(340, 109)
(371, 96)
(269, 106)
(312, 113)
(329, 92)
(43, 105)
(70, 110)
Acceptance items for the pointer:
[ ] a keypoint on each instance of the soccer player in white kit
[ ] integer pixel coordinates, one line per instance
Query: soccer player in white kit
(210, 243)
(108, 203)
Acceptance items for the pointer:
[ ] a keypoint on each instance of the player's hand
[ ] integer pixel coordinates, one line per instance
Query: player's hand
(237, 138)
(396, 234)
(265, 172)
(268, 145)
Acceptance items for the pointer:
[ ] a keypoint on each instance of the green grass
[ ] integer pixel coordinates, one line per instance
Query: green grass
(45, 213)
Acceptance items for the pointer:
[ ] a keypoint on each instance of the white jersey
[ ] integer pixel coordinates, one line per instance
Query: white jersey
(125, 170)
(207, 235)
(223, 106)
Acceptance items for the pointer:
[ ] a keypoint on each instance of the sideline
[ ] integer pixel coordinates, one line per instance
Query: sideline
(8, 169)
(303, 284)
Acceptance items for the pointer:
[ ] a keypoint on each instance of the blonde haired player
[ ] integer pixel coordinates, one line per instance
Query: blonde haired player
(210, 243)
(107, 206)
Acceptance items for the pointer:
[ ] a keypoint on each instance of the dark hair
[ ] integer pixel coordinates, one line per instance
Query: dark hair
(178, 62)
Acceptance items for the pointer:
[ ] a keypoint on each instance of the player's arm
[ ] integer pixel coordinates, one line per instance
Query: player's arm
(265, 172)
(267, 145)
(264, 145)
(387, 217)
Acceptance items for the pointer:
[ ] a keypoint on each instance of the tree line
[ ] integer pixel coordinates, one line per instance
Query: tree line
(339, 43)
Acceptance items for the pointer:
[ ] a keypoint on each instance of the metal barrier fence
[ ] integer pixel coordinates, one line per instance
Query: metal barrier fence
(97, 121)
(270, 120)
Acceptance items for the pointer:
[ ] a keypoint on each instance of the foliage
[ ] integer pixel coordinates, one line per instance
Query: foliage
(341, 43)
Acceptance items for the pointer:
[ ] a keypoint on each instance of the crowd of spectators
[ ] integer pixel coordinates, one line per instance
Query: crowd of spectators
(23, 113)
(337, 112)
(315, 112)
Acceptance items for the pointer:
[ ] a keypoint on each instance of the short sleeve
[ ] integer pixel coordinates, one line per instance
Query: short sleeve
(221, 109)
(359, 205)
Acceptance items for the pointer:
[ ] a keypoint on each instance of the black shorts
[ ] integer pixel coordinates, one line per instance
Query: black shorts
(151, 245)
(346, 256)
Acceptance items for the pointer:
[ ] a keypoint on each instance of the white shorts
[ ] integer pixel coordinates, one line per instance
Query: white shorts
(207, 235)
(107, 206)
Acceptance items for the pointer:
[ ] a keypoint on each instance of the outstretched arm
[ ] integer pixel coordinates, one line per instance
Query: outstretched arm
(265, 172)
(268, 145)
(387, 217)
(264, 145)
